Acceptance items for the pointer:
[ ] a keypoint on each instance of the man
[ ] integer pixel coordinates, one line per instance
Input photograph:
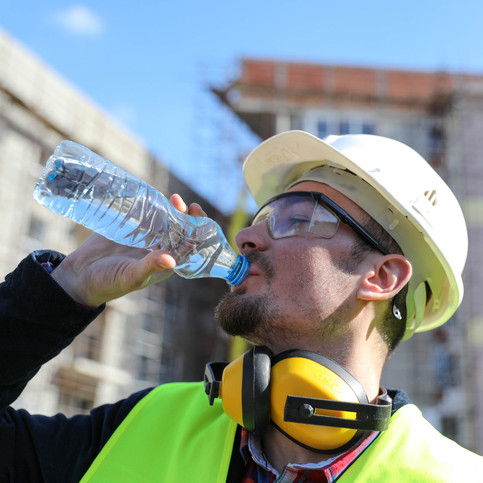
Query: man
(350, 252)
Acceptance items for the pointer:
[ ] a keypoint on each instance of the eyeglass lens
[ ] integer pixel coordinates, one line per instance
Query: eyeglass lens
(297, 215)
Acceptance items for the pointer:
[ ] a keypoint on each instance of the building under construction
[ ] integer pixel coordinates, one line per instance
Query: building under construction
(160, 334)
(441, 116)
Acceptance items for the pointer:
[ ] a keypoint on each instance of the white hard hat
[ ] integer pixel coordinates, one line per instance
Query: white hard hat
(396, 187)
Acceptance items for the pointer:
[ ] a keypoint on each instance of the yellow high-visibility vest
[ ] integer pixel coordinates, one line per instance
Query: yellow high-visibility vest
(174, 435)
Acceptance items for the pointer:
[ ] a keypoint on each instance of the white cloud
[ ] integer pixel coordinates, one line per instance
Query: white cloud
(79, 20)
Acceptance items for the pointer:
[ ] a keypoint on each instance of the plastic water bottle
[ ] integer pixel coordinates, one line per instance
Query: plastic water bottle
(83, 186)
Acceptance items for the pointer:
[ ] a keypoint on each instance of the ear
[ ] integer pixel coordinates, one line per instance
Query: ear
(387, 277)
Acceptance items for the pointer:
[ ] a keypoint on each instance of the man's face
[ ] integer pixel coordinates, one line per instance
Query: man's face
(296, 289)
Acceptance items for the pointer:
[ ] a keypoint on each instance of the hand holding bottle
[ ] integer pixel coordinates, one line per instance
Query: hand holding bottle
(101, 270)
(92, 191)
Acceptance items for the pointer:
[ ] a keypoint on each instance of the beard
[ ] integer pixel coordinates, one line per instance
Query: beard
(249, 317)
(262, 321)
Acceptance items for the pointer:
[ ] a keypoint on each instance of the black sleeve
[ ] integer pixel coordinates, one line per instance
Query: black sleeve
(399, 399)
(56, 449)
(37, 320)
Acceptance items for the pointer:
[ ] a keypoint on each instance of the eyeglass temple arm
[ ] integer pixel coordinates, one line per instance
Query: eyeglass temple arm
(348, 220)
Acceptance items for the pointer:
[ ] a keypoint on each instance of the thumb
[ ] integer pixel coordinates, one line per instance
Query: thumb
(157, 265)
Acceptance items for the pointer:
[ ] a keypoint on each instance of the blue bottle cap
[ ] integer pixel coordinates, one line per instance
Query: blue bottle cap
(239, 272)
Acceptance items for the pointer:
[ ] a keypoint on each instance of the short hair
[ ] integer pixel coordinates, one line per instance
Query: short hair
(391, 328)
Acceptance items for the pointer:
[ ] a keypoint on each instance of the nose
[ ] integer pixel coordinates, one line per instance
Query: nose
(255, 237)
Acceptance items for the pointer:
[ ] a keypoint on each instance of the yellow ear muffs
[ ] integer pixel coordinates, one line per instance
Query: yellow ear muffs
(311, 399)
(300, 381)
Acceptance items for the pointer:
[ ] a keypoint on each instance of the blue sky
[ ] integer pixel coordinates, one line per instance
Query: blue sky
(147, 63)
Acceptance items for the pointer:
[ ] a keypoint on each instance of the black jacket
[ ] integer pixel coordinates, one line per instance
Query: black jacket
(38, 320)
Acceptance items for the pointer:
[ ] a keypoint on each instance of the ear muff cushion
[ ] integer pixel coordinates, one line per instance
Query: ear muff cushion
(303, 373)
(256, 389)
(245, 389)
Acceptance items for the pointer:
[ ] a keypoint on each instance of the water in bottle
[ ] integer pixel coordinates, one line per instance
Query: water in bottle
(90, 190)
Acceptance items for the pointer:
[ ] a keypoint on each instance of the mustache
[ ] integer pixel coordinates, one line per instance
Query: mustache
(262, 261)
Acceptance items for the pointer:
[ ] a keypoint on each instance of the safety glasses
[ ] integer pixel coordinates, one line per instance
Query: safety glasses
(306, 212)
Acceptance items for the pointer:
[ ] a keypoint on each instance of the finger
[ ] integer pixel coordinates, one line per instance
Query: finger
(158, 260)
(159, 277)
(196, 210)
(155, 266)
(176, 200)
(163, 267)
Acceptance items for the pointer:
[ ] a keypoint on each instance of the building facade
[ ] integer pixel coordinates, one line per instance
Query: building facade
(163, 333)
(441, 116)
